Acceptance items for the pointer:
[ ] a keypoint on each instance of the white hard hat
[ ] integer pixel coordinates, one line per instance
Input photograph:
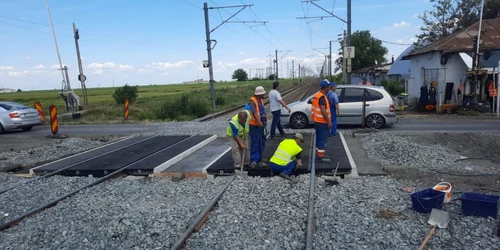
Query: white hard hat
(260, 90)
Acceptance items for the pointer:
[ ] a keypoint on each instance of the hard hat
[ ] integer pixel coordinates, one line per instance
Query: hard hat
(260, 90)
(299, 136)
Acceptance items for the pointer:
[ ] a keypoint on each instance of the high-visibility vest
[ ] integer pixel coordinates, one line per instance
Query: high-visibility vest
(316, 114)
(241, 130)
(253, 121)
(286, 152)
(493, 90)
(367, 83)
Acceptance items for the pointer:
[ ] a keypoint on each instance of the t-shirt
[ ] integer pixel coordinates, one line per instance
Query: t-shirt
(262, 110)
(234, 130)
(322, 101)
(333, 99)
(274, 100)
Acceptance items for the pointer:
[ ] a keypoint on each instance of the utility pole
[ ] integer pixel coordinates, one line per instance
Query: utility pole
(330, 61)
(278, 60)
(81, 77)
(344, 69)
(348, 22)
(300, 79)
(209, 41)
(293, 72)
(276, 66)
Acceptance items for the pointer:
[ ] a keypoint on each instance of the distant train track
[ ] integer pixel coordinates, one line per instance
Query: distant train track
(284, 93)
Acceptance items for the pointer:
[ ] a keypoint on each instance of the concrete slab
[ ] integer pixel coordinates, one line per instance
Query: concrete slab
(365, 166)
(196, 164)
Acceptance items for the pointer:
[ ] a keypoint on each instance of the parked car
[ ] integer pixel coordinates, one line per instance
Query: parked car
(379, 108)
(17, 116)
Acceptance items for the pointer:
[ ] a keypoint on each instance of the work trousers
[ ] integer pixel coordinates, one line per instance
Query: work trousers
(321, 139)
(236, 152)
(258, 142)
(276, 123)
(287, 169)
(333, 131)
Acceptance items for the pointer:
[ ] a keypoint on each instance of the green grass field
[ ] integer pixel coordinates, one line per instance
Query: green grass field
(152, 103)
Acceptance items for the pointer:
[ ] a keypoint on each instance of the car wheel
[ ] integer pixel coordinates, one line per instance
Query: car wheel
(2, 130)
(375, 121)
(27, 128)
(299, 121)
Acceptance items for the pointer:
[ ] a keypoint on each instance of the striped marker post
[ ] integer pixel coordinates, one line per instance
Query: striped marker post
(53, 119)
(38, 107)
(126, 109)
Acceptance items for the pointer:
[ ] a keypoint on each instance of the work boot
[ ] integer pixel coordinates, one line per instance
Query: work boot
(246, 164)
(252, 165)
(262, 164)
(324, 160)
(263, 160)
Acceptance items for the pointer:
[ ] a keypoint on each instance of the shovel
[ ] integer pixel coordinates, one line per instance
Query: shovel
(438, 218)
(335, 180)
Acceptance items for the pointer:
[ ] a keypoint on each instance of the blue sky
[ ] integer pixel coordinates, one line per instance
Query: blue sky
(158, 42)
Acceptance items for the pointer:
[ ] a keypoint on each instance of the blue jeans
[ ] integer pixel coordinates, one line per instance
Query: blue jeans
(333, 132)
(287, 169)
(321, 135)
(276, 123)
(257, 142)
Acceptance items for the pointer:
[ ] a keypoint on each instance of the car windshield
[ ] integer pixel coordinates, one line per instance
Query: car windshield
(12, 106)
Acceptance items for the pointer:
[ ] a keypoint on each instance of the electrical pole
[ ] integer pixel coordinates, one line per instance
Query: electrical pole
(276, 66)
(300, 79)
(330, 61)
(278, 60)
(348, 22)
(344, 69)
(209, 40)
(81, 77)
(293, 72)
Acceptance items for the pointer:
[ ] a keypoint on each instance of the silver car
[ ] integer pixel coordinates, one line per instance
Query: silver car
(17, 116)
(379, 108)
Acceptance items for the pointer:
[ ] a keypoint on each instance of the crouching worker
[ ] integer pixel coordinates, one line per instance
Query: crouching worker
(287, 157)
(238, 137)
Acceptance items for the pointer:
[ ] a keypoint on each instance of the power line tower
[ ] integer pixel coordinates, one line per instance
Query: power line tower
(208, 63)
(348, 22)
(81, 77)
(278, 60)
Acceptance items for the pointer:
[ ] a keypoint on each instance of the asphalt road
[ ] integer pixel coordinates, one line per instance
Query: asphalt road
(403, 126)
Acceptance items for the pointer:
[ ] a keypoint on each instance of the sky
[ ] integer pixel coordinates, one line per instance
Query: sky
(161, 42)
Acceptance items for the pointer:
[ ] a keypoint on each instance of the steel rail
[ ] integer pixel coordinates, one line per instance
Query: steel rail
(72, 165)
(310, 210)
(306, 93)
(201, 218)
(266, 101)
(102, 179)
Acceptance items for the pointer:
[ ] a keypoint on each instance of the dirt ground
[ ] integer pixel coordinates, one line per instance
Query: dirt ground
(482, 146)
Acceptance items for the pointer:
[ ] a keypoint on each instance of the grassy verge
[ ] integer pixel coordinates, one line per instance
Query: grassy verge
(154, 103)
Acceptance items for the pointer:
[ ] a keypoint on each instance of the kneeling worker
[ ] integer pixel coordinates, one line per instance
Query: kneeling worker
(238, 137)
(287, 157)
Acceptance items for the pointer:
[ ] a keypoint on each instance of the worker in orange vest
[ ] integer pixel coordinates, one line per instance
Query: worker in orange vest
(258, 123)
(321, 116)
(493, 93)
(365, 82)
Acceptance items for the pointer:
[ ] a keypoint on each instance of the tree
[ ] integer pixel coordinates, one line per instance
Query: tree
(271, 77)
(240, 75)
(124, 92)
(448, 16)
(19, 90)
(367, 51)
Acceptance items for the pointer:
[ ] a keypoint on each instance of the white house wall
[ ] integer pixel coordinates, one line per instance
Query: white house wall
(454, 71)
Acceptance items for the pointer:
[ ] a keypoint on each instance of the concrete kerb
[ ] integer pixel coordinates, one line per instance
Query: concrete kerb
(162, 167)
(354, 170)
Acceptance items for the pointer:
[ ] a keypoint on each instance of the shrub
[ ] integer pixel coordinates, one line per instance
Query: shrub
(124, 92)
(183, 109)
(220, 100)
(393, 87)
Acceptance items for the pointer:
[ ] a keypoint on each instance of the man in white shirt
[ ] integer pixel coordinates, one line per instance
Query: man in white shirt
(276, 103)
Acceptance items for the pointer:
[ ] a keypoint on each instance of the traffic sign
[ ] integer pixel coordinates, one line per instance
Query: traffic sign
(349, 52)
(349, 69)
(205, 64)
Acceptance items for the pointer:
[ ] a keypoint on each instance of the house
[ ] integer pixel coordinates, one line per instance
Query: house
(374, 75)
(7, 90)
(448, 60)
(400, 69)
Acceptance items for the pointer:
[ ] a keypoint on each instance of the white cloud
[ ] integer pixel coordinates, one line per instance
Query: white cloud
(55, 66)
(40, 66)
(2, 68)
(241, 53)
(27, 57)
(254, 61)
(401, 24)
(163, 66)
(100, 68)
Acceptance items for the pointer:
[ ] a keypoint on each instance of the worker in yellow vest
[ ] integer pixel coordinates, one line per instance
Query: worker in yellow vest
(287, 157)
(238, 132)
(365, 82)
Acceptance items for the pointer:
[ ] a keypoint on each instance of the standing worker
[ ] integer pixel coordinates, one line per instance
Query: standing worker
(238, 137)
(493, 93)
(275, 103)
(365, 82)
(287, 157)
(258, 123)
(333, 100)
(322, 120)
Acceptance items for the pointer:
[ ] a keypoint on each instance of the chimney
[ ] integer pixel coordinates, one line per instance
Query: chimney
(392, 59)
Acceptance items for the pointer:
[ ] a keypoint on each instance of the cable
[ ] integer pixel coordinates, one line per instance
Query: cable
(393, 43)
(88, 33)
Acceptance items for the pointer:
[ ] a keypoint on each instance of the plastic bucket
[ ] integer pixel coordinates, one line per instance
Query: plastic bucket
(424, 201)
(482, 205)
(444, 187)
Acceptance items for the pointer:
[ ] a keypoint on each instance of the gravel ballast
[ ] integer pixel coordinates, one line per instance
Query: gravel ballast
(118, 214)
(257, 213)
(374, 213)
(8, 179)
(22, 199)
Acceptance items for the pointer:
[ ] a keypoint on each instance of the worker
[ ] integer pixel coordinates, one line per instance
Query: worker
(275, 105)
(493, 93)
(258, 123)
(322, 120)
(333, 100)
(238, 132)
(365, 82)
(287, 157)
